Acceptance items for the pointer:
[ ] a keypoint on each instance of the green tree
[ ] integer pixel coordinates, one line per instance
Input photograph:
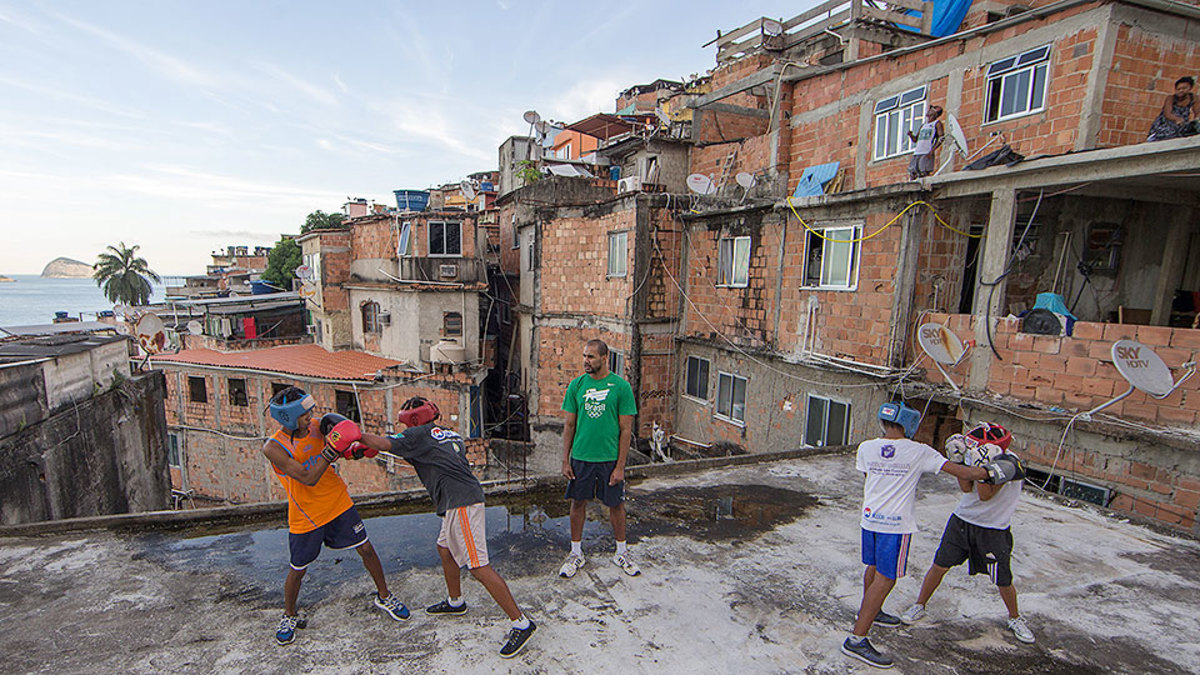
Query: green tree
(124, 276)
(319, 220)
(282, 263)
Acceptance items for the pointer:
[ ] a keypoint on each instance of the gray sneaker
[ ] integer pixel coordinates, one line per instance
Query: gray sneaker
(913, 614)
(1021, 630)
(863, 651)
(626, 564)
(571, 566)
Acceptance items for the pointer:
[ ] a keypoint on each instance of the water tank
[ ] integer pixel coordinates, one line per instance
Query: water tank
(447, 351)
(260, 288)
(411, 200)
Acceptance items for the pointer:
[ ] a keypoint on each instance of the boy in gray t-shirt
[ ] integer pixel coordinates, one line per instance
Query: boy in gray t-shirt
(439, 457)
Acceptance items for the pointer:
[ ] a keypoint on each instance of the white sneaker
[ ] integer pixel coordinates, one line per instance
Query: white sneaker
(571, 566)
(913, 614)
(1021, 630)
(626, 564)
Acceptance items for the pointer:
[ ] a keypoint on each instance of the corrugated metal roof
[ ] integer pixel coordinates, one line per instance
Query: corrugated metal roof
(303, 360)
(56, 328)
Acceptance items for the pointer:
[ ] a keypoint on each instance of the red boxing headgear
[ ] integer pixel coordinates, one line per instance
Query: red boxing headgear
(418, 412)
(985, 432)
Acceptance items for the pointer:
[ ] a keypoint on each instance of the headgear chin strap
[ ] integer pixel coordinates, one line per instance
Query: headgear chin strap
(901, 414)
(288, 413)
(421, 415)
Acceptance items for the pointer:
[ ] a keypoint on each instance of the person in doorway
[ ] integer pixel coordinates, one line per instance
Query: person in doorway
(1179, 112)
(320, 511)
(925, 141)
(893, 464)
(978, 531)
(600, 407)
(439, 456)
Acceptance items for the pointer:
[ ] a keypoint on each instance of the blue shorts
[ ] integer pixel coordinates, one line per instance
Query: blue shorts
(887, 553)
(591, 482)
(345, 531)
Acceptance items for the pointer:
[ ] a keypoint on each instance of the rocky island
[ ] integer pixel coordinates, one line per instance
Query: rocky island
(66, 268)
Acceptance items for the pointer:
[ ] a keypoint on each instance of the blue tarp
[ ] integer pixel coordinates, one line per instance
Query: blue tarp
(813, 180)
(947, 16)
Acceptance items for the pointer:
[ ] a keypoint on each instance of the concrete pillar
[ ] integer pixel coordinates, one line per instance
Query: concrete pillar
(906, 284)
(988, 302)
(1175, 250)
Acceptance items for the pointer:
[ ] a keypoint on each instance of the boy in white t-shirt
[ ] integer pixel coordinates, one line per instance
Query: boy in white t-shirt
(978, 531)
(893, 465)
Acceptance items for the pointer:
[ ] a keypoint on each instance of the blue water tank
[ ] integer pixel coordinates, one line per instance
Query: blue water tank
(260, 288)
(62, 315)
(411, 200)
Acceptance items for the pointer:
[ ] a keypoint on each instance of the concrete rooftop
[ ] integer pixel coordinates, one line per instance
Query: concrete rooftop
(769, 587)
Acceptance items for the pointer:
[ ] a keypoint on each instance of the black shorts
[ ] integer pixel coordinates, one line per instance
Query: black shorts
(591, 482)
(986, 550)
(345, 531)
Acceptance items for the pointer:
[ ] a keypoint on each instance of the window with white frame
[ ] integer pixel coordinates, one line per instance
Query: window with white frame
(404, 248)
(733, 261)
(313, 261)
(895, 116)
(1017, 85)
(616, 362)
(618, 253)
(832, 260)
(696, 379)
(731, 397)
(445, 238)
(826, 422)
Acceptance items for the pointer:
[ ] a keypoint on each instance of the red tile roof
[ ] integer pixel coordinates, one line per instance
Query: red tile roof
(304, 360)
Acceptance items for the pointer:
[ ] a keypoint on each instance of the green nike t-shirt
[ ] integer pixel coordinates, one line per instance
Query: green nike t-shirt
(598, 405)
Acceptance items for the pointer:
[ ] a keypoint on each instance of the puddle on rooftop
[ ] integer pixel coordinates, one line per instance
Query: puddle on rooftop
(527, 535)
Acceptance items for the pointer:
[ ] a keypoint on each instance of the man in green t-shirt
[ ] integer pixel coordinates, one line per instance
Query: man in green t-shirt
(600, 409)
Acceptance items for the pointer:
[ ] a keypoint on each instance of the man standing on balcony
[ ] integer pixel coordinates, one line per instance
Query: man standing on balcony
(926, 140)
(599, 425)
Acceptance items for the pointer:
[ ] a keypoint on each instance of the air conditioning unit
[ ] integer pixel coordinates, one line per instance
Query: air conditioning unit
(447, 351)
(385, 318)
(448, 271)
(630, 184)
(311, 329)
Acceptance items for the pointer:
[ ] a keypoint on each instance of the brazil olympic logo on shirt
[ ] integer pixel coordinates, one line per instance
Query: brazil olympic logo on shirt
(594, 402)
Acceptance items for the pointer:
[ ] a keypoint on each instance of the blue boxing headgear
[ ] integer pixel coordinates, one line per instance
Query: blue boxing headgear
(901, 414)
(289, 405)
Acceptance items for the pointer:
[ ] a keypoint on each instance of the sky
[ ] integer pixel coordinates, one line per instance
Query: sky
(185, 126)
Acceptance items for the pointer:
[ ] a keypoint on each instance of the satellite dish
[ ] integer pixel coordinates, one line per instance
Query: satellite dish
(542, 128)
(304, 272)
(746, 180)
(468, 190)
(532, 117)
(662, 116)
(1144, 370)
(151, 333)
(701, 184)
(307, 291)
(943, 346)
(194, 328)
(954, 129)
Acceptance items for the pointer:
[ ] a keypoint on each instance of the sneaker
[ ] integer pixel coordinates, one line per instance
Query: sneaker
(286, 633)
(863, 651)
(884, 619)
(571, 566)
(626, 564)
(913, 614)
(445, 607)
(392, 607)
(1021, 630)
(516, 640)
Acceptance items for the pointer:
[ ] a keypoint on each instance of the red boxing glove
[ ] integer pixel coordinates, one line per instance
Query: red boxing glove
(358, 451)
(342, 435)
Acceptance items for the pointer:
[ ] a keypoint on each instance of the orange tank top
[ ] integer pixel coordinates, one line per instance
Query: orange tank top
(310, 506)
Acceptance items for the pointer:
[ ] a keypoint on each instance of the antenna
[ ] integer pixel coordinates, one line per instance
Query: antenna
(662, 116)
(304, 272)
(746, 180)
(1144, 370)
(701, 184)
(532, 117)
(195, 328)
(943, 346)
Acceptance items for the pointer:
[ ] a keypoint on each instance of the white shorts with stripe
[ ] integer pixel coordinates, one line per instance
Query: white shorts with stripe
(465, 534)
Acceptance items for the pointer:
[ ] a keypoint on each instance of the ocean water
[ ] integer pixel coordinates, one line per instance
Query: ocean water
(29, 299)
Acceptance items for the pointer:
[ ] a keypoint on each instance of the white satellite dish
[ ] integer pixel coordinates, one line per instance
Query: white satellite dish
(304, 272)
(701, 184)
(662, 116)
(468, 190)
(194, 328)
(151, 333)
(955, 131)
(746, 180)
(1144, 370)
(542, 128)
(532, 117)
(943, 346)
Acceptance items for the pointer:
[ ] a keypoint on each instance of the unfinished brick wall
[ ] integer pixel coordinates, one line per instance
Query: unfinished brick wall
(335, 253)
(378, 236)
(940, 263)
(561, 360)
(1144, 69)
(657, 385)
(574, 261)
(752, 155)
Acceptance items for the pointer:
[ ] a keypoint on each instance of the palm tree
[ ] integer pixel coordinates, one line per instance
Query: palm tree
(123, 275)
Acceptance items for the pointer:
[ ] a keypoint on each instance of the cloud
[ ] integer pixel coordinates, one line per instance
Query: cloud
(172, 68)
(60, 94)
(215, 190)
(310, 90)
(586, 97)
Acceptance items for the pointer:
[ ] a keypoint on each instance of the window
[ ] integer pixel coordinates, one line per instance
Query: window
(197, 390)
(564, 152)
(696, 384)
(237, 392)
(452, 325)
(894, 118)
(1017, 85)
(832, 261)
(445, 238)
(404, 248)
(347, 406)
(827, 422)
(516, 233)
(733, 265)
(370, 318)
(731, 398)
(618, 253)
(529, 253)
(173, 451)
(616, 362)
(313, 261)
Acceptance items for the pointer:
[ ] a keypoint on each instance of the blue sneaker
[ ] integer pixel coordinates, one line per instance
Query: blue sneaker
(286, 633)
(393, 607)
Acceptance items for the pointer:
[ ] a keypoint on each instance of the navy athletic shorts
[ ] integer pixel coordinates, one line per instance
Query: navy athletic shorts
(986, 550)
(345, 531)
(591, 482)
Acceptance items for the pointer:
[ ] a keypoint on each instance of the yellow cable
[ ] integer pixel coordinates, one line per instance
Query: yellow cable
(886, 226)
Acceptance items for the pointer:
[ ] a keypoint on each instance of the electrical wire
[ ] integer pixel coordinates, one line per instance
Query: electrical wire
(1007, 269)
(891, 222)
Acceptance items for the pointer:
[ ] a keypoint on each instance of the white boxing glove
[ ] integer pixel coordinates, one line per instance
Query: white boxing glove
(982, 455)
(956, 448)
